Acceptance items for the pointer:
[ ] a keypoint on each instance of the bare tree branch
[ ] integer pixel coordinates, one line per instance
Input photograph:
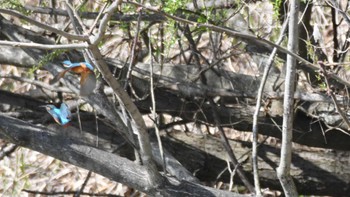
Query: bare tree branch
(38, 83)
(255, 130)
(125, 100)
(44, 46)
(7, 150)
(94, 15)
(283, 170)
(229, 151)
(331, 93)
(335, 5)
(44, 26)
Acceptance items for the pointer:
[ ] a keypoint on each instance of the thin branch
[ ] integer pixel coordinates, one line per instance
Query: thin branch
(44, 46)
(153, 110)
(65, 27)
(334, 4)
(232, 173)
(75, 19)
(173, 166)
(97, 128)
(335, 63)
(331, 94)
(255, 129)
(44, 26)
(7, 150)
(229, 151)
(81, 191)
(335, 35)
(125, 100)
(283, 170)
(72, 193)
(38, 83)
(97, 18)
(104, 23)
(79, 120)
(77, 25)
(197, 56)
(132, 52)
(93, 15)
(131, 64)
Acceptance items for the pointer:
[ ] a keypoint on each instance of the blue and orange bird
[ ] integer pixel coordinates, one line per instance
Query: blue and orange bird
(86, 71)
(61, 115)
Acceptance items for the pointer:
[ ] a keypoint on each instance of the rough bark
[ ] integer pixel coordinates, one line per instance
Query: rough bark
(315, 171)
(85, 155)
(283, 170)
(307, 131)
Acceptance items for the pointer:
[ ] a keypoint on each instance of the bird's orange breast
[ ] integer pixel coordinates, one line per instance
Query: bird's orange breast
(80, 69)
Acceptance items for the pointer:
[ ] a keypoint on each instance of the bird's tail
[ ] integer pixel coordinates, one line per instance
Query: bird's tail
(58, 77)
(87, 83)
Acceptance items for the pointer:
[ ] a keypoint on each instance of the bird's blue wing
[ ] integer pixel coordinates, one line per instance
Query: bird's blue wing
(89, 66)
(54, 112)
(64, 121)
(65, 112)
(69, 64)
(56, 118)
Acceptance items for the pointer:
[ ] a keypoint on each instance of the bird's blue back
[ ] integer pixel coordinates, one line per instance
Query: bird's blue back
(77, 64)
(65, 113)
(61, 115)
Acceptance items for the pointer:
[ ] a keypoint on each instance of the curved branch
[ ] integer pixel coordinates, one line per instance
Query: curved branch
(44, 26)
(44, 46)
(38, 83)
(124, 99)
(255, 129)
(93, 15)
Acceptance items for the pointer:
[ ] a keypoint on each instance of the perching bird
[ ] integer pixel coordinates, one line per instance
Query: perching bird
(61, 115)
(87, 80)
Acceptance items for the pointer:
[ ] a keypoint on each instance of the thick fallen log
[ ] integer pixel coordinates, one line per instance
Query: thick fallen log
(315, 171)
(80, 153)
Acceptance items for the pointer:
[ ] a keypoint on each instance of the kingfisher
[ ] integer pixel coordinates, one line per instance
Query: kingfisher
(86, 71)
(61, 115)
